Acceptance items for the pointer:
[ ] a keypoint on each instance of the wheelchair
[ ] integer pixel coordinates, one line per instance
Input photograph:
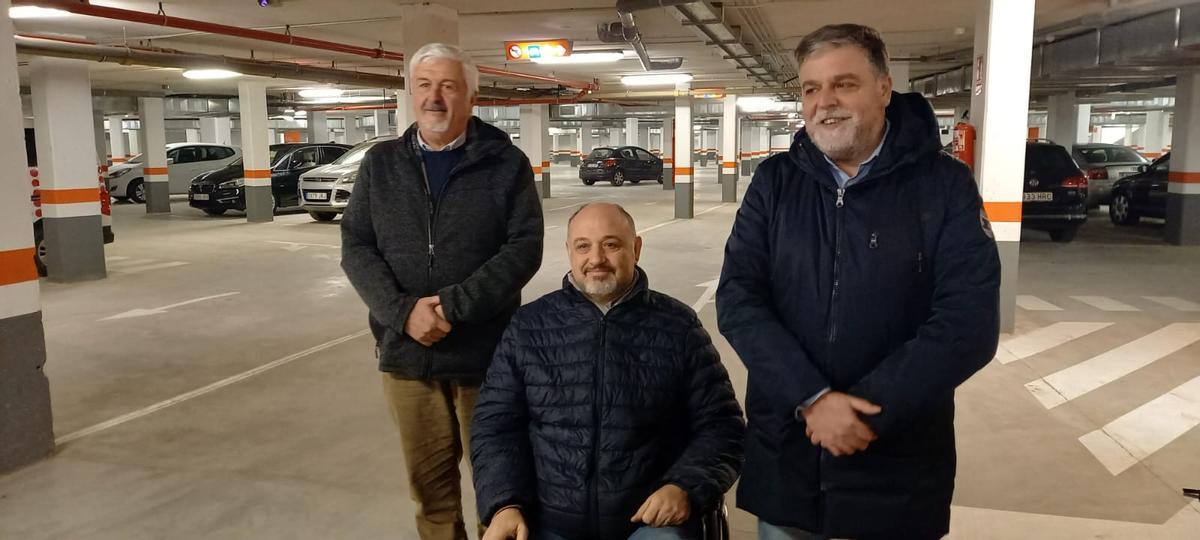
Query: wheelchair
(715, 524)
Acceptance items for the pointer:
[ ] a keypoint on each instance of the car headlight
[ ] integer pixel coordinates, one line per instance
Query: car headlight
(231, 184)
(349, 178)
(118, 174)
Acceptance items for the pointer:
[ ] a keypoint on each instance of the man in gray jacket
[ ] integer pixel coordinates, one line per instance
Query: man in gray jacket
(443, 231)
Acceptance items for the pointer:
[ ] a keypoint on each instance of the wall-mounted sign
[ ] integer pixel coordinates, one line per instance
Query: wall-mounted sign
(530, 50)
(708, 93)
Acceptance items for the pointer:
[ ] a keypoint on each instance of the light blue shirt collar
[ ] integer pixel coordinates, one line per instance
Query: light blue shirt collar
(844, 179)
(461, 140)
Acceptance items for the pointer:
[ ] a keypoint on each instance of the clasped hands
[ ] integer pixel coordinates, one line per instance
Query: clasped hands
(833, 422)
(427, 322)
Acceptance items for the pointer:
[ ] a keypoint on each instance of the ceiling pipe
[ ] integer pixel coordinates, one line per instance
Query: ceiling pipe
(83, 8)
(626, 30)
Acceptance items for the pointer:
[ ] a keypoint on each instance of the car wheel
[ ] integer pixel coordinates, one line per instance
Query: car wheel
(39, 256)
(660, 178)
(136, 191)
(214, 211)
(1063, 235)
(1120, 211)
(323, 216)
(588, 181)
(618, 178)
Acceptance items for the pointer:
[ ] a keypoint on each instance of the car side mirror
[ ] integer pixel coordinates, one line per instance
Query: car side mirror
(170, 161)
(1142, 168)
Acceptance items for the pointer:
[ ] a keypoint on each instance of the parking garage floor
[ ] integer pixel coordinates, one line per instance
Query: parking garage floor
(221, 383)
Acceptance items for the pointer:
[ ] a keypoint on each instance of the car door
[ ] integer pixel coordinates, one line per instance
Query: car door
(1155, 191)
(287, 184)
(188, 160)
(650, 164)
(329, 154)
(630, 164)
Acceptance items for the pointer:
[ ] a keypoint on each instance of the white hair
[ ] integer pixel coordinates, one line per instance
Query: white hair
(449, 52)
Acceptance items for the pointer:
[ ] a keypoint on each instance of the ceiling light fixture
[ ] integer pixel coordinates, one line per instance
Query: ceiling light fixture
(656, 80)
(35, 12)
(210, 74)
(581, 58)
(321, 92)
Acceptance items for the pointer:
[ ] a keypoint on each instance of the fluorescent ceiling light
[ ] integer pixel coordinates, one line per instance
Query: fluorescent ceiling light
(301, 114)
(655, 80)
(35, 12)
(321, 92)
(581, 58)
(208, 74)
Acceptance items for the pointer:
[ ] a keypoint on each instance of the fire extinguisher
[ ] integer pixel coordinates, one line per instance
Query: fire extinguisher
(964, 143)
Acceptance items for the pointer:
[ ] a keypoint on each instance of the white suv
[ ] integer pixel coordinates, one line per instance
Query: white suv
(184, 162)
(325, 190)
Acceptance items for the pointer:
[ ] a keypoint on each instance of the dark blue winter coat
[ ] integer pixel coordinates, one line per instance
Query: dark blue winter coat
(582, 416)
(888, 291)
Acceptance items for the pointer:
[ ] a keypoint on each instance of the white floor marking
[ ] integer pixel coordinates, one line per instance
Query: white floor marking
(1174, 303)
(126, 262)
(563, 207)
(149, 267)
(205, 390)
(158, 311)
(665, 223)
(1033, 303)
(115, 258)
(1058, 388)
(707, 297)
(1105, 303)
(1147, 429)
(1044, 339)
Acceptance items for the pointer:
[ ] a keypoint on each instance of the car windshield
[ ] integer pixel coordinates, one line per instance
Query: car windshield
(1111, 154)
(1052, 161)
(355, 155)
(600, 153)
(135, 159)
(274, 154)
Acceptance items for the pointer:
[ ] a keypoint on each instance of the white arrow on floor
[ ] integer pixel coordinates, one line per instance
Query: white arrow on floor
(708, 295)
(297, 246)
(158, 311)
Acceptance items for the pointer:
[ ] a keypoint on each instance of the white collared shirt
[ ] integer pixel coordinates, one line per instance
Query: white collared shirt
(461, 140)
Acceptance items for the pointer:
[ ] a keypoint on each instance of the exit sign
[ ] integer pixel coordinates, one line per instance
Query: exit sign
(532, 50)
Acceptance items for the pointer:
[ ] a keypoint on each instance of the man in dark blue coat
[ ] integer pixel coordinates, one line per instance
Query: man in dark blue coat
(606, 411)
(860, 288)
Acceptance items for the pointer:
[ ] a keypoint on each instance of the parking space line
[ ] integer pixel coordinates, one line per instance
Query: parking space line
(1174, 303)
(1033, 303)
(1060, 387)
(1105, 303)
(1145, 430)
(206, 389)
(126, 261)
(114, 258)
(1044, 339)
(149, 267)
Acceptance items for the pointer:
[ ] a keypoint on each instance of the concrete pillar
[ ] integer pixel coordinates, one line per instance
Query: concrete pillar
(133, 142)
(191, 135)
(421, 24)
(644, 135)
(1000, 111)
(216, 130)
(66, 147)
(764, 146)
(535, 142)
(632, 133)
(256, 157)
(382, 123)
(116, 139)
(154, 142)
(614, 137)
(1183, 188)
(727, 175)
(900, 76)
(668, 153)
(1168, 131)
(26, 428)
(747, 149)
(354, 131)
(1067, 122)
(1152, 133)
(587, 141)
(318, 127)
(685, 195)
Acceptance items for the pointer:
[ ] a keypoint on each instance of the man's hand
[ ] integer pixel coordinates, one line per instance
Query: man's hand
(667, 506)
(507, 523)
(424, 324)
(833, 423)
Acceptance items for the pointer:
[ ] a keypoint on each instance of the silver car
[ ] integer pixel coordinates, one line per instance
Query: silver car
(325, 190)
(1104, 164)
(184, 162)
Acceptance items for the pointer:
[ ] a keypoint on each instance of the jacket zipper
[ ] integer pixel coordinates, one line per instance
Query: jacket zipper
(597, 392)
(427, 369)
(837, 257)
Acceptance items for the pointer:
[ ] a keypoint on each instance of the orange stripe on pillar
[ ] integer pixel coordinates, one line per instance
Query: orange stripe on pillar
(682, 171)
(70, 196)
(1003, 212)
(155, 170)
(256, 173)
(730, 164)
(545, 164)
(537, 170)
(1181, 177)
(16, 266)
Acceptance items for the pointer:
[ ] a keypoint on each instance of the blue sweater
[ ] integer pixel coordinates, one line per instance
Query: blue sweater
(438, 166)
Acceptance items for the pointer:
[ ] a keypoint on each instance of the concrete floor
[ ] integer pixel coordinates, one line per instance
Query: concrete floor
(257, 411)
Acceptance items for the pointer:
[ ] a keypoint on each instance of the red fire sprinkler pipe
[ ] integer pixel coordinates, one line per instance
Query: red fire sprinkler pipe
(82, 7)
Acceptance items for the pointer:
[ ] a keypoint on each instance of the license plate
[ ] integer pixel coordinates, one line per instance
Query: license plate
(593, 165)
(1039, 196)
(317, 196)
(1124, 174)
(200, 196)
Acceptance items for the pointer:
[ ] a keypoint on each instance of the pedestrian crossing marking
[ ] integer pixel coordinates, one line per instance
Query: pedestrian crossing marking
(1145, 430)
(1033, 303)
(1175, 303)
(1105, 303)
(1044, 339)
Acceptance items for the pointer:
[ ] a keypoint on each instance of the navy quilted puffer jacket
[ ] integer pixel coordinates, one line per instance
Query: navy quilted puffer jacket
(583, 415)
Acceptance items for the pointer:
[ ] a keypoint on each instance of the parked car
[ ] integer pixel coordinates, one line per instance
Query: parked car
(35, 198)
(1056, 191)
(217, 191)
(325, 190)
(184, 162)
(1104, 164)
(1142, 194)
(616, 165)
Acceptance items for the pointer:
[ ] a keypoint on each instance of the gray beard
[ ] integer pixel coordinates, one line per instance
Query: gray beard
(840, 148)
(599, 289)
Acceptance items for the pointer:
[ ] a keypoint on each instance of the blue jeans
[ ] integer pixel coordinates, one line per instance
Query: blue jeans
(643, 533)
(766, 531)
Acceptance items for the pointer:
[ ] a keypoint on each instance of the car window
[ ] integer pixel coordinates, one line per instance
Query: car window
(329, 154)
(1109, 154)
(221, 152)
(644, 155)
(355, 154)
(600, 153)
(188, 154)
(1162, 165)
(304, 158)
(1049, 161)
(627, 153)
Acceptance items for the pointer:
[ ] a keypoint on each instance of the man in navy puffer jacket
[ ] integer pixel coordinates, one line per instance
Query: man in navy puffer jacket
(606, 411)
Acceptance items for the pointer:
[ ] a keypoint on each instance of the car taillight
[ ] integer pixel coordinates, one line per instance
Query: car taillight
(1076, 182)
(610, 162)
(1099, 173)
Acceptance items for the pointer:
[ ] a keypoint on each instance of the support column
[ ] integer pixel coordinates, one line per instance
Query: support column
(644, 135)
(216, 130)
(354, 132)
(535, 142)
(631, 133)
(614, 137)
(747, 146)
(256, 157)
(382, 123)
(1152, 133)
(318, 127)
(1000, 111)
(1066, 121)
(26, 428)
(1183, 188)
(62, 112)
(727, 174)
(685, 195)
(900, 76)
(668, 153)
(154, 141)
(116, 139)
(133, 138)
(764, 146)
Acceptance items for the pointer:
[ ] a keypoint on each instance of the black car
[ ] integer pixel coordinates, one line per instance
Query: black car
(1143, 194)
(1104, 164)
(616, 165)
(1055, 191)
(214, 192)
